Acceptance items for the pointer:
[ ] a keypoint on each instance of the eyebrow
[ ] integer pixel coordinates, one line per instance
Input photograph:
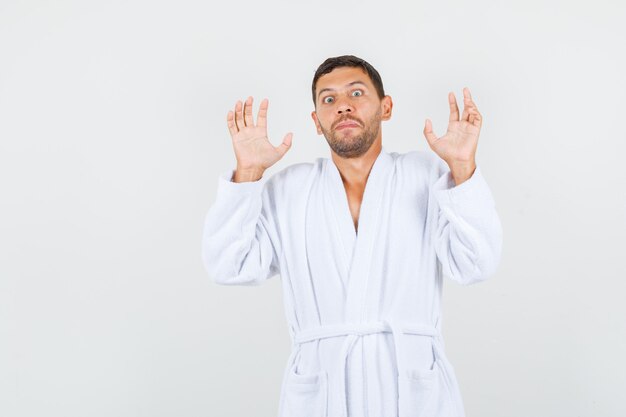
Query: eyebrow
(347, 85)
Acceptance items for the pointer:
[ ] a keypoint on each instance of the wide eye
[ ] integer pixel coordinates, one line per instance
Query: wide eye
(357, 91)
(325, 100)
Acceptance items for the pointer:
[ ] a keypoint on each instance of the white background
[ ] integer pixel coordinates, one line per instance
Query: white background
(113, 132)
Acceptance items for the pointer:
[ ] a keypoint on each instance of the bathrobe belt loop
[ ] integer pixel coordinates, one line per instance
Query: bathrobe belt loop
(354, 331)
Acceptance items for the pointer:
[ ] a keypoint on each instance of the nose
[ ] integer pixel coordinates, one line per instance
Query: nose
(344, 106)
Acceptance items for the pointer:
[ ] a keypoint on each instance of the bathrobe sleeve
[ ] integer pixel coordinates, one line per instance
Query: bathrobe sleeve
(239, 241)
(468, 239)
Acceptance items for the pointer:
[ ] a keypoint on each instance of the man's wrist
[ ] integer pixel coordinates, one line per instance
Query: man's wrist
(462, 171)
(247, 175)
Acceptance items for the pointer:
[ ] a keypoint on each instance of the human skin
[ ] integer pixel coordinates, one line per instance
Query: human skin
(458, 146)
(253, 150)
(348, 95)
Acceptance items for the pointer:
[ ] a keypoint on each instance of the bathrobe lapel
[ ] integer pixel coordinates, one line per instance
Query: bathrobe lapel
(358, 247)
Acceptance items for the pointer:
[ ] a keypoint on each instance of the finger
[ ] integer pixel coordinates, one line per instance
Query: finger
(467, 98)
(247, 112)
(454, 109)
(285, 145)
(468, 104)
(465, 115)
(230, 120)
(428, 132)
(261, 119)
(475, 117)
(467, 95)
(239, 115)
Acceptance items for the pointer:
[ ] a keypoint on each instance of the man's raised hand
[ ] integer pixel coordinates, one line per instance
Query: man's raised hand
(458, 146)
(460, 141)
(253, 150)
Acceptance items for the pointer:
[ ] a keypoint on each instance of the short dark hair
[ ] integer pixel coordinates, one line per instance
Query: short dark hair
(348, 61)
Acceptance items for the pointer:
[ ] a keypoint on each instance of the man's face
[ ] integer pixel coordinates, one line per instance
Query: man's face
(348, 111)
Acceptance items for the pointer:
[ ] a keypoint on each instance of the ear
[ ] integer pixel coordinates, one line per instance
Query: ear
(317, 123)
(387, 105)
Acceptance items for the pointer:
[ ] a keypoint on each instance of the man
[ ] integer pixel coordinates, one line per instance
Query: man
(361, 242)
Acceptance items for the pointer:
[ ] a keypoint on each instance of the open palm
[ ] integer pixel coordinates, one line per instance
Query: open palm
(253, 149)
(461, 139)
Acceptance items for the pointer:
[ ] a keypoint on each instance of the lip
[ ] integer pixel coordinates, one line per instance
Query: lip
(344, 125)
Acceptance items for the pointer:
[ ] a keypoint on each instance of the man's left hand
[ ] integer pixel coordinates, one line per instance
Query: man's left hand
(458, 146)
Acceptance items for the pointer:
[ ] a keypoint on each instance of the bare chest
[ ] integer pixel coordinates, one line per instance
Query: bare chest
(355, 198)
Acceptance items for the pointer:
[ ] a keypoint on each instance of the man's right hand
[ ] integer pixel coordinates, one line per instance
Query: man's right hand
(253, 150)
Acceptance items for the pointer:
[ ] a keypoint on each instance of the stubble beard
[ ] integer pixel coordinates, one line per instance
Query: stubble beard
(353, 146)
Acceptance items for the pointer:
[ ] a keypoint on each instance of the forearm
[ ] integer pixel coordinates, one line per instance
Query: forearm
(468, 230)
(239, 237)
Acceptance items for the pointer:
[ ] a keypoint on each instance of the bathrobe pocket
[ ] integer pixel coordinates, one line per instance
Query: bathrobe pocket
(423, 392)
(306, 395)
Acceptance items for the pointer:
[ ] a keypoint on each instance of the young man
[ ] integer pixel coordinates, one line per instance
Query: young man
(361, 242)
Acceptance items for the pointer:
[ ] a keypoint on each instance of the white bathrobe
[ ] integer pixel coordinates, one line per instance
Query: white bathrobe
(363, 308)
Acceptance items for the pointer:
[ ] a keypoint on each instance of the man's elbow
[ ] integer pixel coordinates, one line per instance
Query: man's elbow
(235, 280)
(471, 277)
(482, 267)
(488, 259)
(221, 274)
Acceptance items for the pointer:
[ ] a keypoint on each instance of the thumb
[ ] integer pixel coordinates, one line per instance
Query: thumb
(428, 132)
(286, 145)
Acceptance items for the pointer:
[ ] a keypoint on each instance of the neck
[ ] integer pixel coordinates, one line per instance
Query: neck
(354, 171)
